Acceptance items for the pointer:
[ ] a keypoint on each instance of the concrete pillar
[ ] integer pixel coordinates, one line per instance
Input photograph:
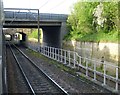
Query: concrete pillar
(63, 32)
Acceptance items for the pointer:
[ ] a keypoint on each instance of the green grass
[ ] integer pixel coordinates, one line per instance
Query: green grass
(50, 61)
(34, 34)
(62, 66)
(59, 65)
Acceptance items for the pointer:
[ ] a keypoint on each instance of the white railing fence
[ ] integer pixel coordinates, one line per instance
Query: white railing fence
(99, 72)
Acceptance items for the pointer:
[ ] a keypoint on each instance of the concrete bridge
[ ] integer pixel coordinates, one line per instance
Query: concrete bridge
(53, 25)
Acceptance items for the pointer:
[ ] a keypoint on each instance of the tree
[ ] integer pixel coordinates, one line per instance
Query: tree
(82, 20)
(111, 14)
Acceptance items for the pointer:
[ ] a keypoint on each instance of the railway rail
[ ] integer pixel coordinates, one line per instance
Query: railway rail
(36, 79)
(101, 73)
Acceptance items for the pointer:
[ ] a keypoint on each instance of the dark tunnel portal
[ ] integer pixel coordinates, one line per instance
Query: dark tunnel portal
(24, 39)
(52, 36)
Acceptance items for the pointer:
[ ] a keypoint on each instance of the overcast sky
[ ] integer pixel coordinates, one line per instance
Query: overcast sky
(45, 6)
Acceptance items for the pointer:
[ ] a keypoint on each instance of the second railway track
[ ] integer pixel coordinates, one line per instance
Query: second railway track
(36, 79)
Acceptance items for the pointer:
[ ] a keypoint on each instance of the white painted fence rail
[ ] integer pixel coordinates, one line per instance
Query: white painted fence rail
(97, 71)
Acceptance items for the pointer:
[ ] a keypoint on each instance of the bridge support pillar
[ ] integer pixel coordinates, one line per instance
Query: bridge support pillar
(63, 32)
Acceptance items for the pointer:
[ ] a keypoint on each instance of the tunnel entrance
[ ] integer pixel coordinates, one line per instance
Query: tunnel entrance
(49, 35)
(19, 38)
(23, 39)
(52, 36)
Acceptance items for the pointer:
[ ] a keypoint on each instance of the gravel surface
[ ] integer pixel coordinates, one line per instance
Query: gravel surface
(69, 82)
(39, 82)
(16, 82)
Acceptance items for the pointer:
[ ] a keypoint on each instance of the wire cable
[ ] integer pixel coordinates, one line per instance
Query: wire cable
(39, 8)
(44, 4)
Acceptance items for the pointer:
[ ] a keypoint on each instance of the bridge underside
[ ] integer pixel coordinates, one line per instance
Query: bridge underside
(29, 24)
(51, 31)
(53, 25)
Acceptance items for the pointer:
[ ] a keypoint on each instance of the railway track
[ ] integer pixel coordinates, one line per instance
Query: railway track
(36, 79)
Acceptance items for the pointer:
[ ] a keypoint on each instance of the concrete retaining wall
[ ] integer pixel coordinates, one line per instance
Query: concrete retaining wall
(101, 51)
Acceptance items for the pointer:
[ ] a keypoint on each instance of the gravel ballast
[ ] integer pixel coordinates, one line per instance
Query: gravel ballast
(70, 82)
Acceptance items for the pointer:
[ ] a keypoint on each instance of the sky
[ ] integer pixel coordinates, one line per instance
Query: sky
(45, 6)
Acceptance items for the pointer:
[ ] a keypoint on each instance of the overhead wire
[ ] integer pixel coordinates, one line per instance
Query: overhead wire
(49, 9)
(40, 7)
(44, 4)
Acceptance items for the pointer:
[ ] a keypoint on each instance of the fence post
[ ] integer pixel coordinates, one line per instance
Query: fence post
(116, 88)
(50, 52)
(69, 57)
(94, 71)
(86, 68)
(104, 74)
(55, 54)
(74, 59)
(64, 56)
(47, 51)
(44, 50)
(58, 55)
(61, 55)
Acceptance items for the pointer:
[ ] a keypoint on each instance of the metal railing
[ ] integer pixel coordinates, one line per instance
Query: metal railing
(99, 72)
(32, 15)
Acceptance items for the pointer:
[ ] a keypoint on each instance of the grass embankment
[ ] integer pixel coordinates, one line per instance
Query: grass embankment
(63, 67)
(33, 34)
(95, 37)
(50, 61)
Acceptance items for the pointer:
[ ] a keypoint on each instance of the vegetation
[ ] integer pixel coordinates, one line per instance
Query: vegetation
(49, 61)
(60, 66)
(33, 34)
(87, 22)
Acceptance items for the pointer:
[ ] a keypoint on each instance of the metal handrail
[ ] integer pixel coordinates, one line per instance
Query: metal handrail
(74, 60)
